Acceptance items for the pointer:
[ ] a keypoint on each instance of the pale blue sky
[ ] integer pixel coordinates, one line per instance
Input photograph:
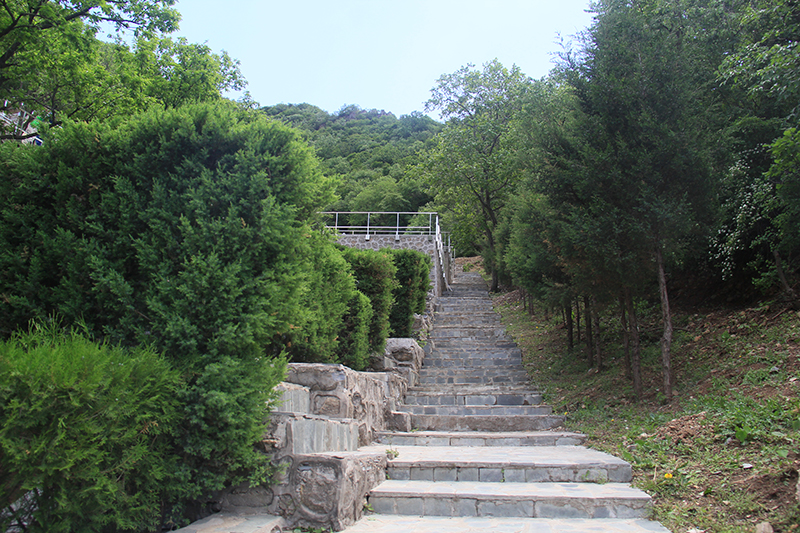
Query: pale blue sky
(381, 54)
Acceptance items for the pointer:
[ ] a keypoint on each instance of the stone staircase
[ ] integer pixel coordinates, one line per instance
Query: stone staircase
(485, 453)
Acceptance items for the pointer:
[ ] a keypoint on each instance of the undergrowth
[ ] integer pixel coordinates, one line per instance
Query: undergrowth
(724, 455)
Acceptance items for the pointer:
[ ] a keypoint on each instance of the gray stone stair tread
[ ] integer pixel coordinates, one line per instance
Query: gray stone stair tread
(497, 456)
(486, 422)
(476, 389)
(484, 438)
(393, 488)
(377, 523)
(235, 523)
(495, 410)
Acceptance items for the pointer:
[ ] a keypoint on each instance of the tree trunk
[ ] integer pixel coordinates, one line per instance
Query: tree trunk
(598, 356)
(636, 350)
(626, 338)
(666, 339)
(793, 302)
(570, 325)
(587, 313)
(578, 320)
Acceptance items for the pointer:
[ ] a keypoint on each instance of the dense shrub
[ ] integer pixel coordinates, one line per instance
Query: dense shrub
(354, 347)
(413, 277)
(85, 433)
(328, 292)
(375, 275)
(184, 230)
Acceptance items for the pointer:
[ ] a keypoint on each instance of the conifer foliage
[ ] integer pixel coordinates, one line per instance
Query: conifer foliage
(185, 231)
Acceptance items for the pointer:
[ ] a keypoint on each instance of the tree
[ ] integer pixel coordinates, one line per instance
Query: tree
(178, 72)
(472, 168)
(27, 22)
(756, 235)
(644, 179)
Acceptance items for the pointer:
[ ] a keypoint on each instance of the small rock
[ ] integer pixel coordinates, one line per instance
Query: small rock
(747, 466)
(764, 527)
(774, 370)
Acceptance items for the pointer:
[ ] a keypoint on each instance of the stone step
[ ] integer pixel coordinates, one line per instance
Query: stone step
(513, 379)
(530, 500)
(480, 438)
(505, 464)
(460, 321)
(445, 348)
(464, 410)
(486, 422)
(379, 523)
(495, 364)
(472, 371)
(468, 333)
(461, 397)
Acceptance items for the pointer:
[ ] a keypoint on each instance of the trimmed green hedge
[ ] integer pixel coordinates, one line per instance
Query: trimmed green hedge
(376, 277)
(354, 347)
(86, 433)
(413, 278)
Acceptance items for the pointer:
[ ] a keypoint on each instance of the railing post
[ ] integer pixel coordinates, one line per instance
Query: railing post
(367, 237)
(397, 228)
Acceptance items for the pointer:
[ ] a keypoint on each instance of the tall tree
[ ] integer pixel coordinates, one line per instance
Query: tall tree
(643, 83)
(53, 67)
(473, 168)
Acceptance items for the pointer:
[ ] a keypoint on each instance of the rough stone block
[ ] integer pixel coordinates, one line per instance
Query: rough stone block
(293, 398)
(327, 490)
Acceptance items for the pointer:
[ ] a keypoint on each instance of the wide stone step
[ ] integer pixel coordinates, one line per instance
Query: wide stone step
(379, 523)
(462, 397)
(485, 372)
(513, 379)
(469, 333)
(480, 438)
(499, 362)
(461, 305)
(450, 348)
(505, 464)
(486, 422)
(467, 321)
(530, 500)
(464, 410)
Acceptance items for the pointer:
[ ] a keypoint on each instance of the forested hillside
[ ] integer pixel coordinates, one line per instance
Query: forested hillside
(369, 151)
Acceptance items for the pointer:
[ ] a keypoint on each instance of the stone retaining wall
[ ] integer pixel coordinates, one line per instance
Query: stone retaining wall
(326, 413)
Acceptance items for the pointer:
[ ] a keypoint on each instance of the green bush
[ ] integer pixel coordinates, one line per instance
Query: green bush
(413, 282)
(185, 230)
(354, 347)
(85, 433)
(329, 289)
(375, 275)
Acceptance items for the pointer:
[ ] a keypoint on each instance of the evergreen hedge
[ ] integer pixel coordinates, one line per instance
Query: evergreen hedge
(183, 230)
(376, 277)
(413, 278)
(86, 434)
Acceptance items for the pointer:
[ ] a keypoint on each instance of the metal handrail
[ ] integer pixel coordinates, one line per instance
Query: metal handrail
(371, 229)
(432, 229)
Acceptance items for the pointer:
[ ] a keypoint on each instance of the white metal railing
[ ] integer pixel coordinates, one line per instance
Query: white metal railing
(376, 223)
